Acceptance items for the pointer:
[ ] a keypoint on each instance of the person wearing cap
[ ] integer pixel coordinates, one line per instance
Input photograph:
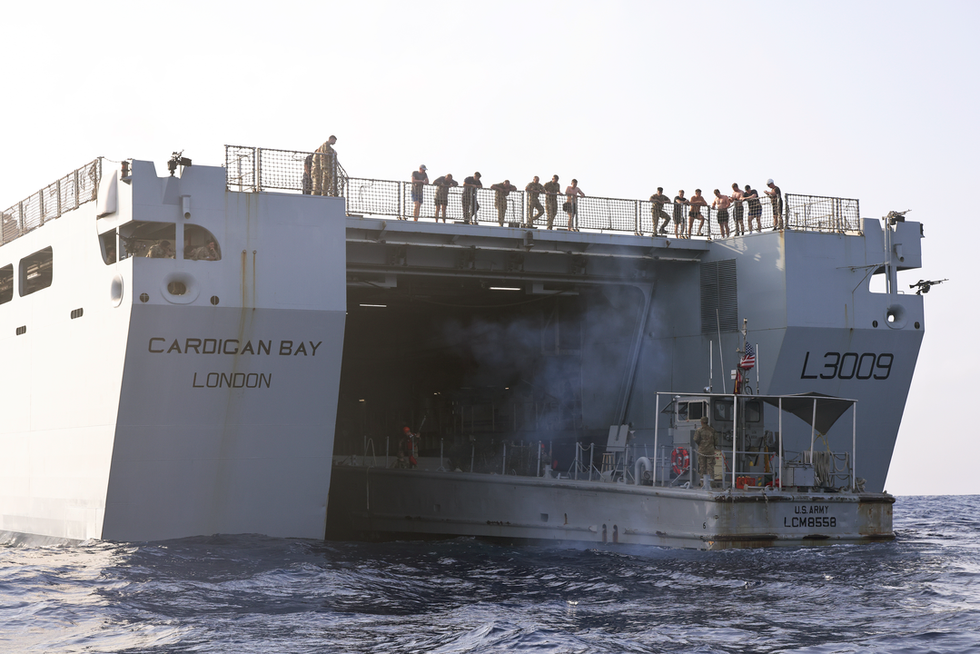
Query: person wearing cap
(657, 210)
(534, 208)
(502, 189)
(551, 191)
(776, 197)
(470, 206)
(419, 179)
(705, 438)
(325, 168)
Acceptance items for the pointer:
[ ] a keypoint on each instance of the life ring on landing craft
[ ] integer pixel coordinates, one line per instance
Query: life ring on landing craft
(680, 460)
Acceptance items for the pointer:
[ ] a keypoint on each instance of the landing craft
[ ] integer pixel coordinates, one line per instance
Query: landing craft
(410, 320)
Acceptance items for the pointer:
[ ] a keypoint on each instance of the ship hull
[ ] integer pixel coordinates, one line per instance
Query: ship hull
(373, 503)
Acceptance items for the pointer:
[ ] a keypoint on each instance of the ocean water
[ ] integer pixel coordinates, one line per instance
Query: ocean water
(242, 594)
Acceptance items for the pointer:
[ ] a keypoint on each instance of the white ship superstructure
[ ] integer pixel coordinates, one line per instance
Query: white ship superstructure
(153, 398)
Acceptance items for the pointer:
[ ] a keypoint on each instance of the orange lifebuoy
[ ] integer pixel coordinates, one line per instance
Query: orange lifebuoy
(680, 460)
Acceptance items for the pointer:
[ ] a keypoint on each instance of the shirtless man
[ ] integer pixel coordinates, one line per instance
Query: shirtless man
(722, 202)
(696, 203)
(572, 194)
(738, 210)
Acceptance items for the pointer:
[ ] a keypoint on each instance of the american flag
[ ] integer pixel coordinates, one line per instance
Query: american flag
(748, 361)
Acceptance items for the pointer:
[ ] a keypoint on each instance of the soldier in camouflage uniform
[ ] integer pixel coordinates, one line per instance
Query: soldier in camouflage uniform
(502, 189)
(551, 189)
(705, 438)
(325, 169)
(534, 208)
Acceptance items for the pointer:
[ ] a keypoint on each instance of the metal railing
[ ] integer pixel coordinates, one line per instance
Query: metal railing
(252, 169)
(68, 193)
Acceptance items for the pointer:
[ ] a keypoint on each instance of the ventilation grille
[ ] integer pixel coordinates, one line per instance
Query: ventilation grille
(719, 297)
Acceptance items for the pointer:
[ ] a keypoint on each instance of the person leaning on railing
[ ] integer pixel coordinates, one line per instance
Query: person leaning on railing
(442, 185)
(502, 189)
(419, 179)
(657, 211)
(572, 193)
(534, 208)
(551, 189)
(470, 206)
(680, 222)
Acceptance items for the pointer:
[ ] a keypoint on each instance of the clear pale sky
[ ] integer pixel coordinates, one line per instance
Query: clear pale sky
(870, 100)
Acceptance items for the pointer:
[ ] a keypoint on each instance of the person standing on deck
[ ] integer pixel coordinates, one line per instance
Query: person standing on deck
(776, 196)
(502, 189)
(657, 210)
(755, 207)
(442, 185)
(419, 179)
(551, 189)
(534, 208)
(738, 210)
(325, 169)
(696, 203)
(722, 202)
(679, 202)
(572, 193)
(705, 438)
(470, 206)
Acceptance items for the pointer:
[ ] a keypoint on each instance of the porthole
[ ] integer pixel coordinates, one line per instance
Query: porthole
(144, 297)
(180, 288)
(76, 313)
(917, 324)
(874, 323)
(22, 330)
(214, 300)
(116, 291)
(895, 316)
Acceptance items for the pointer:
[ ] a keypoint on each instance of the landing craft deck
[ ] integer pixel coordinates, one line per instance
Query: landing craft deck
(333, 322)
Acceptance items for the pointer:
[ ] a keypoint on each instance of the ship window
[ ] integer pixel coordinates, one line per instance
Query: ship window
(107, 244)
(691, 410)
(753, 411)
(137, 238)
(7, 283)
(200, 244)
(36, 271)
(723, 411)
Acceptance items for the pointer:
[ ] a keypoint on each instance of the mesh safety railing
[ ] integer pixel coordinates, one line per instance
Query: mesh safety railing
(68, 193)
(252, 169)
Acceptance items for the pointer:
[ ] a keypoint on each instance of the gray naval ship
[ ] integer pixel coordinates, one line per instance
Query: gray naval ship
(551, 381)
